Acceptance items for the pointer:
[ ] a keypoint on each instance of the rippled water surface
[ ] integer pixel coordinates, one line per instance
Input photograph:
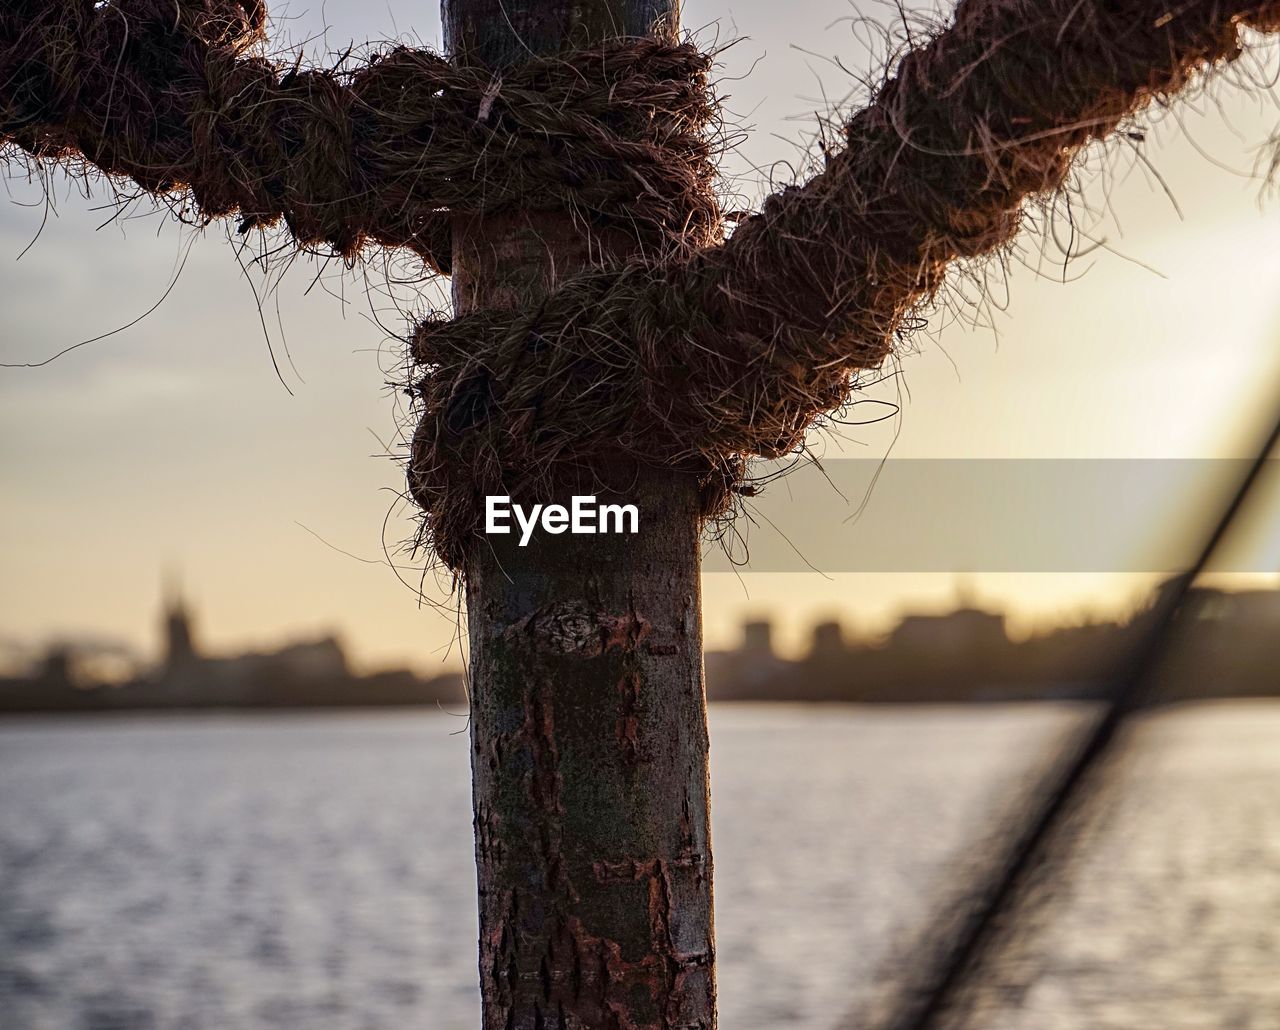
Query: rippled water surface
(314, 870)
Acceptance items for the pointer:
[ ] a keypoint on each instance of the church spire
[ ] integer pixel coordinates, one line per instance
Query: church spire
(179, 644)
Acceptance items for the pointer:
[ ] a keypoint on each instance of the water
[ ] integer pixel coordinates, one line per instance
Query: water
(314, 870)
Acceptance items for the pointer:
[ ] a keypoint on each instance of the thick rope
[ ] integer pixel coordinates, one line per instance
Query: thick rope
(180, 97)
(700, 364)
(698, 355)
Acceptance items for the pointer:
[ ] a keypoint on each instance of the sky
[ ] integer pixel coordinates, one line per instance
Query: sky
(173, 447)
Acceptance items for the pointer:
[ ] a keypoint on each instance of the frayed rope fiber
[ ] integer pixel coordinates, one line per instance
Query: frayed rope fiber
(699, 354)
(181, 97)
(701, 364)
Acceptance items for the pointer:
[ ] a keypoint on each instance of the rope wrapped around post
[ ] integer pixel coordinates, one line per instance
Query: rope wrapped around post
(704, 363)
(180, 97)
(703, 352)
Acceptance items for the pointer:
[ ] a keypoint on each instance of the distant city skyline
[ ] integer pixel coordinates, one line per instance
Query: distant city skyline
(1223, 648)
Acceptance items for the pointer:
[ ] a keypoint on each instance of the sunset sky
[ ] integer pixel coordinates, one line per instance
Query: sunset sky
(174, 446)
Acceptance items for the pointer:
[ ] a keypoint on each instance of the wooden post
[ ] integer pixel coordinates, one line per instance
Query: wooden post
(588, 711)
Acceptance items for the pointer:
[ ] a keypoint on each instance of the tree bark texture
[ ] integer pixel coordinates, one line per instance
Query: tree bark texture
(588, 709)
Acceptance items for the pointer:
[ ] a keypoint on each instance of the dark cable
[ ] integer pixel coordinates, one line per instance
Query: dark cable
(922, 1008)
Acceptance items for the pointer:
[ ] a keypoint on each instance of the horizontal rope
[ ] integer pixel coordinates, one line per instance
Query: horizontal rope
(180, 97)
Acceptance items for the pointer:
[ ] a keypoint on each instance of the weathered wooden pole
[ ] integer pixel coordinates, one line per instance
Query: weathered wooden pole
(588, 711)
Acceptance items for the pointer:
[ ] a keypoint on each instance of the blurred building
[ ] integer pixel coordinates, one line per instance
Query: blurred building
(755, 670)
(1224, 648)
(307, 673)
